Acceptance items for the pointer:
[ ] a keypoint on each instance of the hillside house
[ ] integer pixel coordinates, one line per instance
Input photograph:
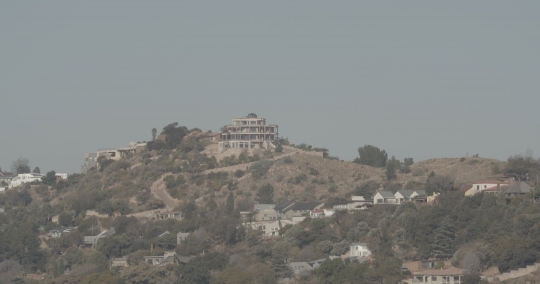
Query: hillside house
(92, 240)
(305, 266)
(269, 228)
(359, 250)
(58, 232)
(488, 186)
(261, 207)
(121, 152)
(169, 257)
(517, 189)
(265, 215)
(451, 275)
(384, 197)
(170, 215)
(181, 237)
(356, 203)
(119, 262)
(248, 132)
(321, 213)
(302, 209)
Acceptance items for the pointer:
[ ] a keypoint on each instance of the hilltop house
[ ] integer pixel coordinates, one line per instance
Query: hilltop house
(248, 132)
(25, 178)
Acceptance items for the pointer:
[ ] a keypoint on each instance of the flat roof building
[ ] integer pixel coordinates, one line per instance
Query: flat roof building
(248, 132)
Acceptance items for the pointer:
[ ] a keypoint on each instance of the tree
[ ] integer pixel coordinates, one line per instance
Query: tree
(36, 170)
(279, 148)
(471, 279)
(49, 178)
(266, 194)
(443, 239)
(113, 246)
(174, 134)
(65, 219)
(408, 161)
(371, 156)
(189, 210)
(259, 168)
(391, 167)
(230, 203)
(439, 183)
(154, 133)
(20, 166)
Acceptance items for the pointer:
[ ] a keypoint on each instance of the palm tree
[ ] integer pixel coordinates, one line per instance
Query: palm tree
(154, 133)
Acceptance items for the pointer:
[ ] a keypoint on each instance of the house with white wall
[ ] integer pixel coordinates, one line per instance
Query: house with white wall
(25, 178)
(359, 250)
(269, 228)
(384, 197)
(490, 185)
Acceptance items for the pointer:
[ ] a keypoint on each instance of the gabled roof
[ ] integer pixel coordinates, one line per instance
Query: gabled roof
(305, 206)
(420, 192)
(405, 193)
(284, 205)
(386, 194)
(518, 187)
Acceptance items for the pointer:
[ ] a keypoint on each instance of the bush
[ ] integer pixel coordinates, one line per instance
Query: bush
(260, 168)
(288, 160)
(239, 173)
(313, 172)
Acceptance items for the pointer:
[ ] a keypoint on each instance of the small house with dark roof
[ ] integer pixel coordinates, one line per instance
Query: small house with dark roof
(517, 189)
(299, 209)
(384, 197)
(403, 195)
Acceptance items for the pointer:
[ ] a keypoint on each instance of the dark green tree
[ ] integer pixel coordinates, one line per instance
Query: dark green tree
(49, 178)
(36, 170)
(371, 156)
(443, 239)
(65, 219)
(174, 134)
(230, 204)
(154, 134)
(266, 194)
(279, 148)
(391, 166)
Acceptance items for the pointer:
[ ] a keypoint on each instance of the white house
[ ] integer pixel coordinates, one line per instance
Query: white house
(25, 178)
(451, 275)
(485, 186)
(320, 213)
(359, 250)
(384, 197)
(57, 232)
(92, 240)
(61, 175)
(181, 237)
(403, 195)
(269, 228)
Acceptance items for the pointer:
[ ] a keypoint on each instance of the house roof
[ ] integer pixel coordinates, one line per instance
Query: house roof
(465, 187)
(386, 194)
(305, 206)
(284, 205)
(494, 188)
(406, 193)
(261, 207)
(318, 211)
(420, 192)
(494, 181)
(518, 187)
(441, 272)
(358, 244)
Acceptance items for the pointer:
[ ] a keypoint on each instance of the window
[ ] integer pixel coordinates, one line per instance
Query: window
(446, 279)
(433, 278)
(457, 279)
(485, 186)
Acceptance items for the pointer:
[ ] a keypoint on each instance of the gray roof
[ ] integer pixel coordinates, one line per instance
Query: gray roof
(421, 192)
(406, 193)
(518, 187)
(261, 207)
(284, 205)
(305, 206)
(386, 194)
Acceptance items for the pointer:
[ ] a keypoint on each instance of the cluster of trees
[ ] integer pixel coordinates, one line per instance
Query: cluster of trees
(375, 157)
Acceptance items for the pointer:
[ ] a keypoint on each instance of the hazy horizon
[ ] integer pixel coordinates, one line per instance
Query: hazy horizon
(418, 79)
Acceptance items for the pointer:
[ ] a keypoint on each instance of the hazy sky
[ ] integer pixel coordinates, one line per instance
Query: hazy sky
(420, 79)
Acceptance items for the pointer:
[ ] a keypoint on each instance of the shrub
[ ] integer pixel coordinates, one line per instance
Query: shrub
(313, 172)
(288, 160)
(259, 168)
(239, 173)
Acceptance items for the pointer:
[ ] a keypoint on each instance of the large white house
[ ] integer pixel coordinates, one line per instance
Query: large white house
(384, 197)
(25, 178)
